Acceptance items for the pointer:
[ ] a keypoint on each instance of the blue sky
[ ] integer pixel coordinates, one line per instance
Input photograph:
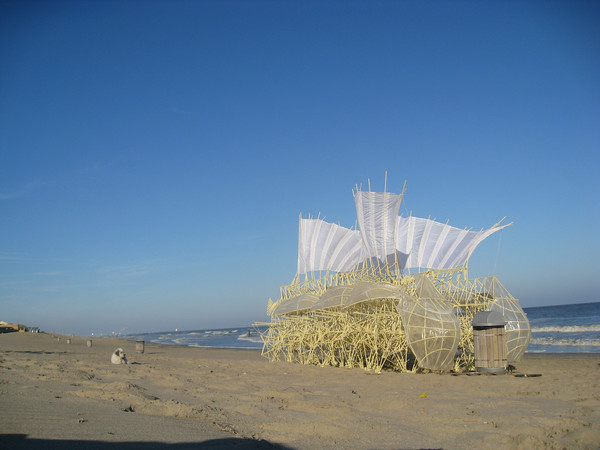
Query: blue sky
(155, 156)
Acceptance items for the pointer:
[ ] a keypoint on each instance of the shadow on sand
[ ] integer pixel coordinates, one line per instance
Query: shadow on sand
(22, 441)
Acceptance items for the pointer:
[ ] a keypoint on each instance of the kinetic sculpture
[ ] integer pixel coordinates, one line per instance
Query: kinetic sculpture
(393, 293)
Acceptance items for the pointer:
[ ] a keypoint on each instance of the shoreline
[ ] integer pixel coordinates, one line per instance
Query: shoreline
(137, 336)
(59, 394)
(527, 355)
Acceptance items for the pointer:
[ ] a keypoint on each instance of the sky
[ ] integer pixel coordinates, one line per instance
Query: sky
(155, 155)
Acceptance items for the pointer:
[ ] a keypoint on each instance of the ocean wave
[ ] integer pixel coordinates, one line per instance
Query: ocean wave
(566, 329)
(570, 342)
(251, 338)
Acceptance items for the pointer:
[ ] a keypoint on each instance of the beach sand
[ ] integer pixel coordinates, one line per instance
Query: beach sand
(59, 395)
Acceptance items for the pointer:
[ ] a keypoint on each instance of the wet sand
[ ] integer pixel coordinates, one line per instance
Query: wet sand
(59, 395)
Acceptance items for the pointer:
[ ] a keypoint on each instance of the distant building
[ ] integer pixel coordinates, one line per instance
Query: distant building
(8, 327)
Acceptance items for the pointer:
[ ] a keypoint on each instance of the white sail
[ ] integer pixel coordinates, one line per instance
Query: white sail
(377, 214)
(434, 245)
(384, 238)
(327, 246)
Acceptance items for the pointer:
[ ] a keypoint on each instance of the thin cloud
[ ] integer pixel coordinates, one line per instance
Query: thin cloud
(22, 192)
(13, 283)
(12, 257)
(128, 270)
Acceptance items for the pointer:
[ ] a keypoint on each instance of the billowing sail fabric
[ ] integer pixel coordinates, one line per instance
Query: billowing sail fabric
(334, 296)
(431, 327)
(360, 291)
(338, 296)
(365, 291)
(294, 304)
(327, 246)
(384, 237)
(377, 214)
(434, 245)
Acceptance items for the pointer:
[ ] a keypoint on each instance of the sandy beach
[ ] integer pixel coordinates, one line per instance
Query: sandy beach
(59, 395)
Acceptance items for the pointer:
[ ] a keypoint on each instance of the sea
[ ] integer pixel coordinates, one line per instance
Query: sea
(565, 328)
(571, 328)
